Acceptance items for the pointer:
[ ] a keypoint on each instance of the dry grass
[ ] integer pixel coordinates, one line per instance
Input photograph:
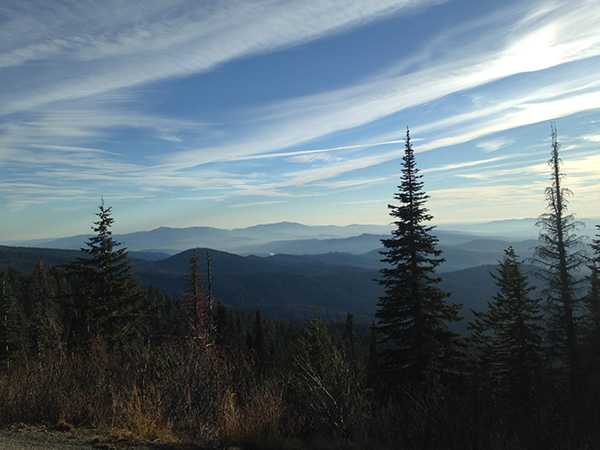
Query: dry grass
(257, 418)
(187, 393)
(115, 391)
(172, 393)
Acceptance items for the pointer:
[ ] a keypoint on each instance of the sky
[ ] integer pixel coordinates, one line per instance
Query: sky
(235, 113)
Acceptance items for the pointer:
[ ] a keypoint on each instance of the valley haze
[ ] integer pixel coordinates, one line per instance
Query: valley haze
(287, 269)
(296, 238)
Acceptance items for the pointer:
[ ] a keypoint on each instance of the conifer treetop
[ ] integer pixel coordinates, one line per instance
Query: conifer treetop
(413, 314)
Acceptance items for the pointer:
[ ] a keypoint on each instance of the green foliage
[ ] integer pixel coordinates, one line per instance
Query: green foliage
(508, 336)
(108, 298)
(328, 387)
(413, 314)
(316, 345)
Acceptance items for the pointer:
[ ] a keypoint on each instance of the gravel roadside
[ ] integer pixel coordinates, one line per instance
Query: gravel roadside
(38, 437)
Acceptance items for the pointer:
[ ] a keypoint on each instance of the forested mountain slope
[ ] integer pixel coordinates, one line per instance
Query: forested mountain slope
(283, 286)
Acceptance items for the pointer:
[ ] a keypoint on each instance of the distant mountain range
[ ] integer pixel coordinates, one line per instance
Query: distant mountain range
(286, 269)
(243, 241)
(292, 238)
(360, 243)
(516, 229)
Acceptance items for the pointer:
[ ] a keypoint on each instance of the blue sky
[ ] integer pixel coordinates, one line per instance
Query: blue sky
(230, 114)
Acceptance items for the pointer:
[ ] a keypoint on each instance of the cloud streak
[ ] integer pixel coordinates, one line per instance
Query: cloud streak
(192, 39)
(84, 83)
(308, 118)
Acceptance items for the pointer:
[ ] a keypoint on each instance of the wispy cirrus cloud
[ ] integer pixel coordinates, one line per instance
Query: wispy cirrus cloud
(592, 138)
(167, 40)
(85, 101)
(454, 166)
(304, 119)
(253, 204)
(559, 41)
(494, 144)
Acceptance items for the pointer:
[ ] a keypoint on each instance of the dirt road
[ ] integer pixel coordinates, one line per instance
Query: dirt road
(35, 437)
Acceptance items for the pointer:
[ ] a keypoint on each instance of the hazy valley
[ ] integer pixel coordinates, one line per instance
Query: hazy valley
(288, 269)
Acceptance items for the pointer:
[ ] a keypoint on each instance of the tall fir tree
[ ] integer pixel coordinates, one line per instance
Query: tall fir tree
(559, 256)
(109, 297)
(508, 336)
(414, 315)
(316, 346)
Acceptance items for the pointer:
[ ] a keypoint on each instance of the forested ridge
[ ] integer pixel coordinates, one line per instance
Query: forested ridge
(82, 343)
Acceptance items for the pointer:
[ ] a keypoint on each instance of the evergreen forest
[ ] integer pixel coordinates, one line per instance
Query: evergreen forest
(82, 344)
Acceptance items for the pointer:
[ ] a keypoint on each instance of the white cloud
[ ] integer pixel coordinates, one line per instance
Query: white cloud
(191, 39)
(454, 166)
(99, 64)
(476, 176)
(352, 183)
(494, 144)
(295, 121)
(583, 165)
(248, 205)
(314, 157)
(592, 138)
(292, 122)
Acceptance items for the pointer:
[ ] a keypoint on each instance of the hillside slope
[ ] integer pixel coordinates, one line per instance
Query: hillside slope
(282, 286)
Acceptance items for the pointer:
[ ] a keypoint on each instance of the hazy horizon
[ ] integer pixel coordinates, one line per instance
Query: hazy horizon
(508, 228)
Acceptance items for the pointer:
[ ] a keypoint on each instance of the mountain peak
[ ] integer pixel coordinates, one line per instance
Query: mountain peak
(277, 225)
